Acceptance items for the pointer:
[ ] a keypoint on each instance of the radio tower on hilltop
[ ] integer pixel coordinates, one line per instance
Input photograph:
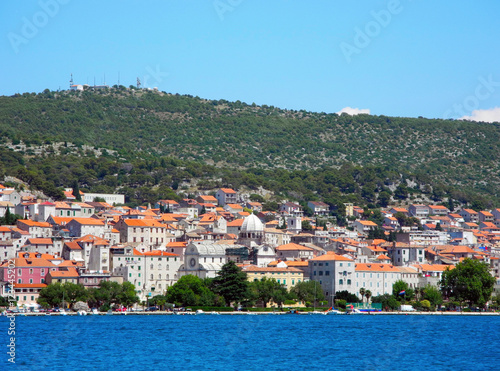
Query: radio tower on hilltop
(71, 81)
(138, 83)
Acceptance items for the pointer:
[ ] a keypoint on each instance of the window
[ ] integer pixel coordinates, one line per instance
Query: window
(31, 270)
(327, 273)
(340, 264)
(320, 273)
(348, 282)
(31, 280)
(42, 272)
(19, 280)
(152, 277)
(341, 281)
(19, 272)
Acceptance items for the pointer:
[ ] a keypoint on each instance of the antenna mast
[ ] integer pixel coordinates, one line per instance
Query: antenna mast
(138, 83)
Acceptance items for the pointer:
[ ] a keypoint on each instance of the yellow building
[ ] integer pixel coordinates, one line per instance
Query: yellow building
(288, 276)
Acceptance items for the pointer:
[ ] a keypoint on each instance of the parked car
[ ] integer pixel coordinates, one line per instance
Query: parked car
(151, 309)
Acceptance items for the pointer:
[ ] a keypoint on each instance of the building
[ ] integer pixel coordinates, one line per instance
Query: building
(293, 251)
(403, 254)
(378, 278)
(204, 259)
(252, 231)
(226, 196)
(364, 226)
(286, 276)
(334, 273)
(319, 208)
(79, 227)
(113, 199)
(469, 215)
(419, 211)
(149, 232)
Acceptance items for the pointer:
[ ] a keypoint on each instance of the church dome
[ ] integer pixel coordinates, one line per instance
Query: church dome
(252, 224)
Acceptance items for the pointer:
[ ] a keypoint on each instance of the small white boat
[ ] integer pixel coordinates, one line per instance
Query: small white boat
(199, 311)
(81, 312)
(334, 311)
(95, 311)
(62, 312)
(317, 312)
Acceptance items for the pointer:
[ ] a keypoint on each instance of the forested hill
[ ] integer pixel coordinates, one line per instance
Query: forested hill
(234, 134)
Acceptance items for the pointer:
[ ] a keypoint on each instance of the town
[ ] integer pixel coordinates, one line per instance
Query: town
(93, 238)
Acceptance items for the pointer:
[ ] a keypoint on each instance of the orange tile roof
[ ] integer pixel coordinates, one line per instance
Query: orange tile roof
(72, 245)
(235, 206)
(368, 223)
(227, 190)
(290, 263)
(383, 257)
(143, 223)
(330, 255)
(208, 198)
(235, 223)
(88, 221)
(32, 255)
(30, 285)
(433, 267)
(5, 229)
(293, 247)
(40, 241)
(71, 272)
(253, 268)
(30, 262)
(159, 253)
(376, 267)
(32, 223)
(177, 244)
(96, 241)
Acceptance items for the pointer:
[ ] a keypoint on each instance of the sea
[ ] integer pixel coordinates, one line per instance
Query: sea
(252, 342)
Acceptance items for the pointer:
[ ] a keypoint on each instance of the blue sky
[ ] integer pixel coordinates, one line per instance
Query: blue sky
(396, 58)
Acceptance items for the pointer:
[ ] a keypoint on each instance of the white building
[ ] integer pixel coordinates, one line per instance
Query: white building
(109, 198)
(334, 273)
(204, 259)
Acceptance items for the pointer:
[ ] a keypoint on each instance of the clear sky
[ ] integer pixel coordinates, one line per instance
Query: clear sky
(400, 58)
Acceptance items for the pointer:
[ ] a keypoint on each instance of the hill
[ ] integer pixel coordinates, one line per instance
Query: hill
(446, 155)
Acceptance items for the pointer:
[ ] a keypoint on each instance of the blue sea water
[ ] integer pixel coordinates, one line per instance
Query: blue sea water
(289, 342)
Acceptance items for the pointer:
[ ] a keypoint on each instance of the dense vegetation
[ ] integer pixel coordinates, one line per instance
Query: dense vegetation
(147, 142)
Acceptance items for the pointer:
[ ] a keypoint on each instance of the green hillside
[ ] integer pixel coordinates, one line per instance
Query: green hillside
(448, 155)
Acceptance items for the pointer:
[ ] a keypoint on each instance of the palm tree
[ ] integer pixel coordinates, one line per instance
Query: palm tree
(368, 295)
(362, 292)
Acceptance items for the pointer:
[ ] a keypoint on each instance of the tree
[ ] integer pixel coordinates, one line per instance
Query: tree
(127, 295)
(362, 293)
(347, 296)
(368, 295)
(401, 291)
(190, 290)
(388, 301)
(51, 295)
(470, 281)
(310, 291)
(231, 283)
(306, 226)
(76, 191)
(433, 295)
(401, 191)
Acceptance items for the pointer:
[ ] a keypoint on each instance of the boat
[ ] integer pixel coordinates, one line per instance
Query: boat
(81, 312)
(334, 311)
(109, 312)
(95, 311)
(317, 312)
(199, 311)
(62, 312)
